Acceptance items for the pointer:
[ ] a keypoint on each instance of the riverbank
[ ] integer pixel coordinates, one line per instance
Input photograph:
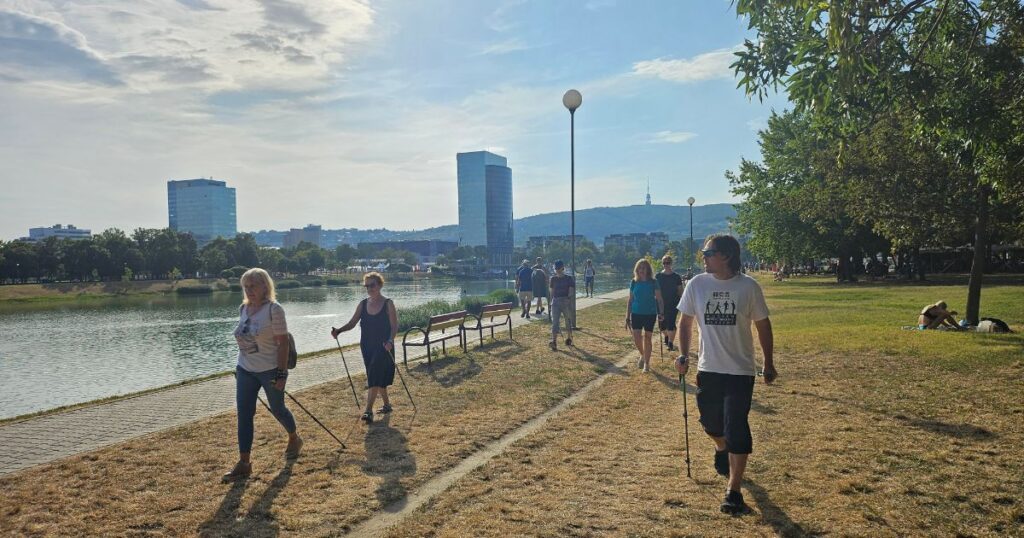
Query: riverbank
(76, 291)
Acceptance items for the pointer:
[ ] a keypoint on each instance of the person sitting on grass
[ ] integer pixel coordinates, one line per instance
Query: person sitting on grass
(935, 315)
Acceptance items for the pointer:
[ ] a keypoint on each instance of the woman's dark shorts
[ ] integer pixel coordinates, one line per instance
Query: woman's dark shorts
(724, 404)
(669, 321)
(643, 321)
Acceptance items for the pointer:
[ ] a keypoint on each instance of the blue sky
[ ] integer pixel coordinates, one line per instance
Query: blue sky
(349, 113)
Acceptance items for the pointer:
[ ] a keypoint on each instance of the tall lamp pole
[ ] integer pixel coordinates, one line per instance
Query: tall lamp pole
(572, 100)
(692, 256)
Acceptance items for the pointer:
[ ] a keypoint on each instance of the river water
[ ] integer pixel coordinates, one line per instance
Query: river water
(72, 352)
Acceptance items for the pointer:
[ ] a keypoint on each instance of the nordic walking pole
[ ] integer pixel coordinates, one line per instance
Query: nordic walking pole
(329, 432)
(344, 362)
(401, 377)
(686, 425)
(661, 341)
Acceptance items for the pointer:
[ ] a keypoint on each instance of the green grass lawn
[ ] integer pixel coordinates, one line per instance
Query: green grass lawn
(815, 314)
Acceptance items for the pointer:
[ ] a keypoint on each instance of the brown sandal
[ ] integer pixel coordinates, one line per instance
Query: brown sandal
(294, 445)
(241, 470)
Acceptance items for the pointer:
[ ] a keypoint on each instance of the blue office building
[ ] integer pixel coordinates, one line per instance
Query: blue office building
(485, 204)
(203, 207)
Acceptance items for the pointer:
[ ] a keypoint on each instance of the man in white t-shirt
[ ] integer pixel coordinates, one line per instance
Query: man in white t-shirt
(725, 302)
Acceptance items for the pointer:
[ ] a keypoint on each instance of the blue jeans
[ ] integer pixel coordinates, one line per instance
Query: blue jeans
(247, 389)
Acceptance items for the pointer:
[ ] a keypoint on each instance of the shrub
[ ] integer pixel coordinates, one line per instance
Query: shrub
(235, 287)
(238, 271)
(315, 282)
(194, 289)
(418, 316)
(228, 274)
(475, 305)
(286, 284)
(333, 281)
(503, 296)
(399, 268)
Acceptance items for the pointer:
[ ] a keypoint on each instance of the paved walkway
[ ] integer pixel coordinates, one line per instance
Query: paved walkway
(43, 439)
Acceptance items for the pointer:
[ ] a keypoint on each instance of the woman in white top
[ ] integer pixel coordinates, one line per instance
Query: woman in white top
(262, 336)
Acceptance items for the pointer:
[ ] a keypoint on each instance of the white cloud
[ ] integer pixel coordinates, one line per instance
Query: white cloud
(509, 45)
(672, 137)
(708, 66)
(204, 45)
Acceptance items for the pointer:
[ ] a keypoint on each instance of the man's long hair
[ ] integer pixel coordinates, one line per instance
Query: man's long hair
(728, 246)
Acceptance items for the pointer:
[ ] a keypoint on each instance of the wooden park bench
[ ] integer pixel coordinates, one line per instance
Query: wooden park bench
(434, 332)
(497, 315)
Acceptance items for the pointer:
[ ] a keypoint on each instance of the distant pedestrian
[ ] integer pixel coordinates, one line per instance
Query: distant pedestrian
(726, 369)
(671, 286)
(643, 309)
(378, 326)
(563, 288)
(262, 336)
(540, 286)
(524, 285)
(588, 278)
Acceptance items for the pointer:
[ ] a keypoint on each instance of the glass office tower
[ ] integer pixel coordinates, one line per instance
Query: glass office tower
(203, 207)
(485, 204)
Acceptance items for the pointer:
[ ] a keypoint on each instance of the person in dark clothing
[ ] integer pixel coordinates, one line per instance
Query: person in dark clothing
(378, 325)
(671, 286)
(563, 288)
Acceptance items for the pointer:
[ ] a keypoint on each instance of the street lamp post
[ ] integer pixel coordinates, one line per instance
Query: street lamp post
(693, 256)
(572, 100)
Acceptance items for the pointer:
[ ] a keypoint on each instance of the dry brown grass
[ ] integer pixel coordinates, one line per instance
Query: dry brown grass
(873, 447)
(168, 483)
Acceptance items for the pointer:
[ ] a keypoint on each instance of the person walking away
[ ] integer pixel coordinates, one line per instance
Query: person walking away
(524, 285)
(540, 286)
(378, 326)
(563, 287)
(725, 302)
(588, 278)
(671, 286)
(262, 336)
(643, 309)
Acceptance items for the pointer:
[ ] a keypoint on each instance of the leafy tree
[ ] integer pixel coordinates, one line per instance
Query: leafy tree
(21, 261)
(954, 68)
(344, 254)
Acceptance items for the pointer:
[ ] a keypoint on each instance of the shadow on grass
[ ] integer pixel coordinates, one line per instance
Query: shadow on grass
(258, 521)
(449, 371)
(773, 515)
(957, 431)
(388, 456)
(598, 361)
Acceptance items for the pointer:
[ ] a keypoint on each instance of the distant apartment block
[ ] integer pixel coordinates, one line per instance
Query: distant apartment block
(203, 207)
(655, 241)
(485, 204)
(58, 231)
(426, 249)
(542, 241)
(309, 234)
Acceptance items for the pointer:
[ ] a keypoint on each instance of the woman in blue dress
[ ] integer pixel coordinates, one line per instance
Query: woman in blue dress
(378, 325)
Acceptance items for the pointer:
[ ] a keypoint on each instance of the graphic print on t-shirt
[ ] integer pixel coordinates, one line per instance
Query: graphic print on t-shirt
(720, 309)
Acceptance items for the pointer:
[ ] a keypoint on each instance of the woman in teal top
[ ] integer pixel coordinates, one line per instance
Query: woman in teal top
(643, 309)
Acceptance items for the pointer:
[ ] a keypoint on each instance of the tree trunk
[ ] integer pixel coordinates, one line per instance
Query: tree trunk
(978, 264)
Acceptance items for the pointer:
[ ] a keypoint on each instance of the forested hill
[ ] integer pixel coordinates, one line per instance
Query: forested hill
(594, 224)
(598, 222)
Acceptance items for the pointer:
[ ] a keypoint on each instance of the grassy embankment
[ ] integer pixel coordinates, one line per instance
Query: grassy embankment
(870, 430)
(65, 291)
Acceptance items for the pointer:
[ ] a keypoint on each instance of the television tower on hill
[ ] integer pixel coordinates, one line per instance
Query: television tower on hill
(648, 192)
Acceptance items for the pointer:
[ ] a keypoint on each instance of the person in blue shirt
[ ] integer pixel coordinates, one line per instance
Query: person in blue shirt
(524, 285)
(643, 308)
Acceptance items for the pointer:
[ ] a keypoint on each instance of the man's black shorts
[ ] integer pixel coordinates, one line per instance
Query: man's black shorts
(669, 322)
(724, 403)
(643, 321)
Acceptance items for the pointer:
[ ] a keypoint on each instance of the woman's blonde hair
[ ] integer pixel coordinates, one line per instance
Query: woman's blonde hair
(257, 275)
(641, 263)
(374, 275)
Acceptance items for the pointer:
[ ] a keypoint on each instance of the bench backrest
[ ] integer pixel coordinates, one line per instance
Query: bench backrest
(446, 321)
(492, 311)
